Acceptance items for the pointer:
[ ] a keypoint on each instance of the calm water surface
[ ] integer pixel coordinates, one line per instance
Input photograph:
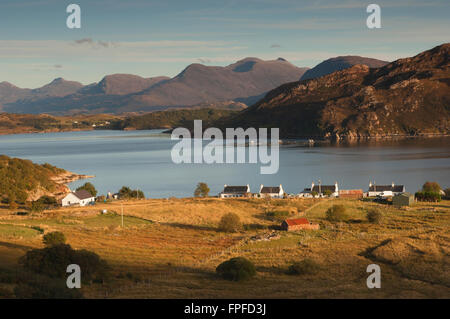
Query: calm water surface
(141, 159)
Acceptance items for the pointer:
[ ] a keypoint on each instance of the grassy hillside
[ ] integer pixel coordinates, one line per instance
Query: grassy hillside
(170, 248)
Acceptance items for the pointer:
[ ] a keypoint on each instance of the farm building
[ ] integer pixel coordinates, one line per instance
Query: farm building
(235, 191)
(351, 193)
(271, 191)
(298, 224)
(81, 198)
(403, 199)
(375, 190)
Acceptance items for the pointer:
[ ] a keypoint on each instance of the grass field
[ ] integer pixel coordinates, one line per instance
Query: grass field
(170, 248)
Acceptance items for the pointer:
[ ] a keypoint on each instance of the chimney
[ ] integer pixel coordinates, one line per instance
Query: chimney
(393, 184)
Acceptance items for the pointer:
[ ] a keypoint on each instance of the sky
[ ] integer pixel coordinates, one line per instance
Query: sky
(154, 38)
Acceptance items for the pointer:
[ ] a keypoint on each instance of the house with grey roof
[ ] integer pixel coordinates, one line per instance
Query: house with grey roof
(235, 191)
(321, 190)
(78, 198)
(271, 191)
(379, 190)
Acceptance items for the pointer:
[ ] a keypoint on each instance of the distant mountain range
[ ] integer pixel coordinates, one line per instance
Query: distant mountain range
(409, 96)
(245, 81)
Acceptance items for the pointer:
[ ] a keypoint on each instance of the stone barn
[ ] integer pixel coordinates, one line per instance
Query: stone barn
(403, 199)
(351, 193)
(298, 224)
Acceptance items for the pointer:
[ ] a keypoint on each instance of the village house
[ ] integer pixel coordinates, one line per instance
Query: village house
(81, 198)
(321, 190)
(271, 191)
(385, 190)
(298, 224)
(235, 191)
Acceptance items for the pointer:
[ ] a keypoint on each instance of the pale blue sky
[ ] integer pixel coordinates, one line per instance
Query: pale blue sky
(151, 38)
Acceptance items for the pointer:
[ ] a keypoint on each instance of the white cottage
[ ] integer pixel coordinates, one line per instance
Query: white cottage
(235, 191)
(321, 190)
(81, 198)
(392, 190)
(271, 191)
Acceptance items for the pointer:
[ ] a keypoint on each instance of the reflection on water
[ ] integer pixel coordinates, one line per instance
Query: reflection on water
(141, 159)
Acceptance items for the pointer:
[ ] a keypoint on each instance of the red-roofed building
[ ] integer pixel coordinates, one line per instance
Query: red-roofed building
(298, 224)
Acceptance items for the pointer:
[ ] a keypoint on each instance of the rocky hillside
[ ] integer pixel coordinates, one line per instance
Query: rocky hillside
(22, 180)
(340, 63)
(409, 96)
(245, 81)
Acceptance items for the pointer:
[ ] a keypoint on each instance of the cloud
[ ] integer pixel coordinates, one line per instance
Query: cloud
(93, 43)
(204, 60)
(58, 66)
(275, 46)
(84, 40)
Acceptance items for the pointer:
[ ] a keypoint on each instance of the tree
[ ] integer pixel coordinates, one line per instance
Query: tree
(125, 192)
(236, 269)
(431, 187)
(88, 187)
(230, 223)
(336, 213)
(54, 238)
(428, 196)
(202, 190)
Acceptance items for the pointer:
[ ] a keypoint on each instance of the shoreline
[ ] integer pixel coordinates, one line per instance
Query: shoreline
(283, 141)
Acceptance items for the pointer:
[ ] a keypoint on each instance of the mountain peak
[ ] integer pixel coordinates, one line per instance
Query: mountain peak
(340, 63)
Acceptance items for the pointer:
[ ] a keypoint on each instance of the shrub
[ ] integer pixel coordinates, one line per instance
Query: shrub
(431, 187)
(374, 216)
(336, 213)
(88, 187)
(37, 207)
(54, 238)
(48, 201)
(236, 269)
(305, 267)
(53, 261)
(230, 223)
(327, 192)
(202, 190)
(314, 194)
(428, 196)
